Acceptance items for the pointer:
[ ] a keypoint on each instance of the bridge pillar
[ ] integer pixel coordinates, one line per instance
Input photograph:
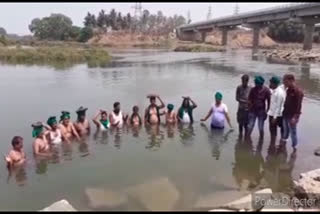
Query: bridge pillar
(224, 40)
(256, 35)
(203, 36)
(308, 36)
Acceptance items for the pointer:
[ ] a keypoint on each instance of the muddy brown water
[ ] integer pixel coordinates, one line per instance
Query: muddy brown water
(197, 161)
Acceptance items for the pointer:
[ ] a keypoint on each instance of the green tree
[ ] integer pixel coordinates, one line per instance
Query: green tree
(85, 34)
(90, 20)
(75, 32)
(54, 27)
(3, 31)
(101, 20)
(113, 19)
(286, 31)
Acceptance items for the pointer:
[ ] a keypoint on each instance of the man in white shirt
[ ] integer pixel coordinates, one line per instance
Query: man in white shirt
(278, 97)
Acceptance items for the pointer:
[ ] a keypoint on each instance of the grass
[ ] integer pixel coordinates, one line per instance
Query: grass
(197, 48)
(55, 55)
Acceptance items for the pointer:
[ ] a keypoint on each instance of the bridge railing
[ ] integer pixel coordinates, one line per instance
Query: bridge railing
(251, 13)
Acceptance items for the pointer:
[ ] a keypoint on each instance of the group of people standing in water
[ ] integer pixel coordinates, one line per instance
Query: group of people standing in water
(281, 102)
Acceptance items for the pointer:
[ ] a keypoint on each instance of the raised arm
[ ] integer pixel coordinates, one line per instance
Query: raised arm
(194, 105)
(95, 118)
(162, 103)
(208, 115)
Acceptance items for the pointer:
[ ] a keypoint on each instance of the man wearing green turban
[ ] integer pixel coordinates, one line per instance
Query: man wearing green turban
(219, 112)
(67, 128)
(258, 97)
(171, 116)
(278, 96)
(82, 125)
(55, 135)
(40, 145)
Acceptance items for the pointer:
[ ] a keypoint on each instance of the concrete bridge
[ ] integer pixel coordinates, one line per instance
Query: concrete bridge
(306, 13)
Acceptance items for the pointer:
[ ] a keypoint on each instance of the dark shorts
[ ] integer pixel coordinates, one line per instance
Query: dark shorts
(243, 117)
(216, 127)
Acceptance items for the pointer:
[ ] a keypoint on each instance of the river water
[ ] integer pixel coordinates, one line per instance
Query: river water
(196, 161)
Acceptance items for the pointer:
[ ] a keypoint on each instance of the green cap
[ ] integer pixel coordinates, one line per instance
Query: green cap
(259, 80)
(218, 96)
(170, 106)
(275, 80)
(64, 115)
(52, 120)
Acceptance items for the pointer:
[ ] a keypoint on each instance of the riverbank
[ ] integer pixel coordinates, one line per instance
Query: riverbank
(293, 53)
(52, 55)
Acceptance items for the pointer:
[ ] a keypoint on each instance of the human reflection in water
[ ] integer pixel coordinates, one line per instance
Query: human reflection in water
(156, 137)
(278, 170)
(83, 147)
(216, 138)
(41, 165)
(247, 169)
(186, 133)
(101, 137)
(66, 151)
(117, 132)
(171, 128)
(19, 173)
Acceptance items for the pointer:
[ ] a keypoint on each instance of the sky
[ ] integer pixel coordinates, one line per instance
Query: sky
(15, 17)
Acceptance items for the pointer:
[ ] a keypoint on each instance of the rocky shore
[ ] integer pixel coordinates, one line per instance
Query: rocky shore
(160, 194)
(293, 55)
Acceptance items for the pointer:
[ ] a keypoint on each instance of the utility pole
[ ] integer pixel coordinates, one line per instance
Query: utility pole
(209, 15)
(137, 10)
(188, 17)
(236, 9)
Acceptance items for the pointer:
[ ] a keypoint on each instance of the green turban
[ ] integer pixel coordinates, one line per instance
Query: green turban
(51, 121)
(37, 129)
(259, 80)
(275, 80)
(218, 96)
(65, 115)
(170, 107)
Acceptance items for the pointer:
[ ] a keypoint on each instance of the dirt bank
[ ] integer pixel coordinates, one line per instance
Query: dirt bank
(240, 39)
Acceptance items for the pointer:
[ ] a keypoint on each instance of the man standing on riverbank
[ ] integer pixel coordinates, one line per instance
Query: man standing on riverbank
(278, 96)
(242, 95)
(292, 109)
(258, 97)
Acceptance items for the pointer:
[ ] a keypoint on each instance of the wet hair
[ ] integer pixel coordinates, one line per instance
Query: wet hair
(152, 98)
(135, 108)
(245, 77)
(16, 140)
(104, 112)
(185, 100)
(289, 77)
(116, 104)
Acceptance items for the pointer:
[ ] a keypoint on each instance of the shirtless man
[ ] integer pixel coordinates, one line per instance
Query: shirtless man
(117, 118)
(171, 116)
(16, 156)
(67, 127)
(82, 125)
(135, 119)
(40, 145)
(152, 113)
(54, 134)
(102, 124)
